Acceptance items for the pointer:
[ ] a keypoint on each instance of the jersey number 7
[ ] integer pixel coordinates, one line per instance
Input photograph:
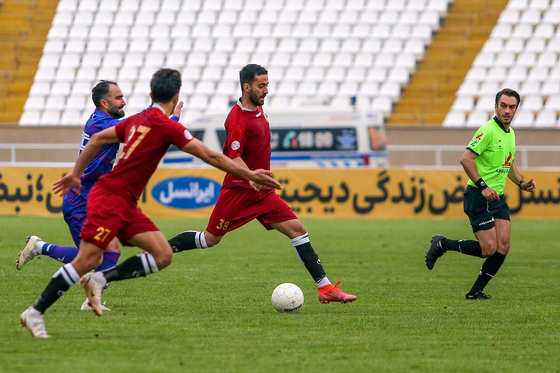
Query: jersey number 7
(143, 131)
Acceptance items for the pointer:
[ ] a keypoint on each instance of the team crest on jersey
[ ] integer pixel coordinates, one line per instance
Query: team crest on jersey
(235, 145)
(188, 135)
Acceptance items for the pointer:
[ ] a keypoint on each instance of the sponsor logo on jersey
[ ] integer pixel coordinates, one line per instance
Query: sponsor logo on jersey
(189, 192)
(475, 141)
(507, 162)
(235, 145)
(188, 135)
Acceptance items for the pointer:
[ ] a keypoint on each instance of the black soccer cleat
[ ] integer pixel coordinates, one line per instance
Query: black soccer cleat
(435, 251)
(478, 295)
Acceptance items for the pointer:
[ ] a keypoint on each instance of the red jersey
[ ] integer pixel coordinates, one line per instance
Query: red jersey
(248, 137)
(146, 136)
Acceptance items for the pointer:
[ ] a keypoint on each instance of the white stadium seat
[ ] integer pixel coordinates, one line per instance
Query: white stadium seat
(463, 104)
(544, 30)
(546, 119)
(50, 118)
(30, 117)
(66, 6)
(34, 103)
(530, 88)
(553, 103)
(71, 117)
(454, 119)
(517, 74)
(382, 104)
(40, 89)
(496, 74)
(76, 102)
(60, 89)
(532, 103)
(477, 118)
(550, 88)
(523, 119)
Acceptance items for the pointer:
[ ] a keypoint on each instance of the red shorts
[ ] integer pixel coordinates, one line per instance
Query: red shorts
(110, 215)
(238, 206)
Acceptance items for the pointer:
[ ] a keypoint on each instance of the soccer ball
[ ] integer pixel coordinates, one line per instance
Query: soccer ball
(287, 297)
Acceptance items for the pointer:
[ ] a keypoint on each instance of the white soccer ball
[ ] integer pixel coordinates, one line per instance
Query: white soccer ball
(287, 297)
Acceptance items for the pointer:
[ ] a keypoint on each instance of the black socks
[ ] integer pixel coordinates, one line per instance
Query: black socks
(468, 247)
(59, 284)
(308, 257)
(135, 266)
(188, 240)
(488, 270)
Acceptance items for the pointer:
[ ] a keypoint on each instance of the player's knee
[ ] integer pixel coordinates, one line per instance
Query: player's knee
(488, 249)
(300, 230)
(293, 228)
(503, 248)
(164, 259)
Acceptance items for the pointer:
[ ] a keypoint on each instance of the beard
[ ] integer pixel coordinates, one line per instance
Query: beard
(255, 99)
(116, 112)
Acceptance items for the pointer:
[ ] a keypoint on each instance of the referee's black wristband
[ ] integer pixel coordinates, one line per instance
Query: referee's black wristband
(480, 184)
(521, 182)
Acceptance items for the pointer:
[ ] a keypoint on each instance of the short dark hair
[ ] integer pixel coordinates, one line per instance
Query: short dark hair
(165, 84)
(100, 91)
(508, 92)
(248, 73)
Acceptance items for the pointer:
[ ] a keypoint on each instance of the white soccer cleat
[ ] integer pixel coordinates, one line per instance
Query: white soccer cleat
(33, 321)
(86, 306)
(93, 284)
(30, 251)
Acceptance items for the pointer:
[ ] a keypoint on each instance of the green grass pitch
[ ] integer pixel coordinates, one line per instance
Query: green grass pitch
(210, 311)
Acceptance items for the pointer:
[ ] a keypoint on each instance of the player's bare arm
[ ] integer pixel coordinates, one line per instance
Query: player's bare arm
(515, 176)
(220, 161)
(72, 180)
(469, 165)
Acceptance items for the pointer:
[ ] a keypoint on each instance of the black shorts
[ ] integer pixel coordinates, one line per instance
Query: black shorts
(481, 211)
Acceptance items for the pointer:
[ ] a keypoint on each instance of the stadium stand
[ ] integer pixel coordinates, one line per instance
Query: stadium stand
(431, 92)
(521, 53)
(325, 51)
(421, 62)
(23, 30)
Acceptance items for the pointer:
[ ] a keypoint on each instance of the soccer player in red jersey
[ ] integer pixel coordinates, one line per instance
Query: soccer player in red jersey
(240, 201)
(112, 209)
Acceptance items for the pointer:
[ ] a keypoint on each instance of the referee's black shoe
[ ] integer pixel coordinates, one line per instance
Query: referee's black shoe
(435, 251)
(478, 295)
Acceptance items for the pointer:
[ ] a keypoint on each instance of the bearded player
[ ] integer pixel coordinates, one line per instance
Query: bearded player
(240, 200)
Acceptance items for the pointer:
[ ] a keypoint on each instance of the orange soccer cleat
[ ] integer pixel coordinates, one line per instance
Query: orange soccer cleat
(331, 293)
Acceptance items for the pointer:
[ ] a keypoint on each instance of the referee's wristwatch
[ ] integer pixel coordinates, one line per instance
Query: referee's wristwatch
(521, 182)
